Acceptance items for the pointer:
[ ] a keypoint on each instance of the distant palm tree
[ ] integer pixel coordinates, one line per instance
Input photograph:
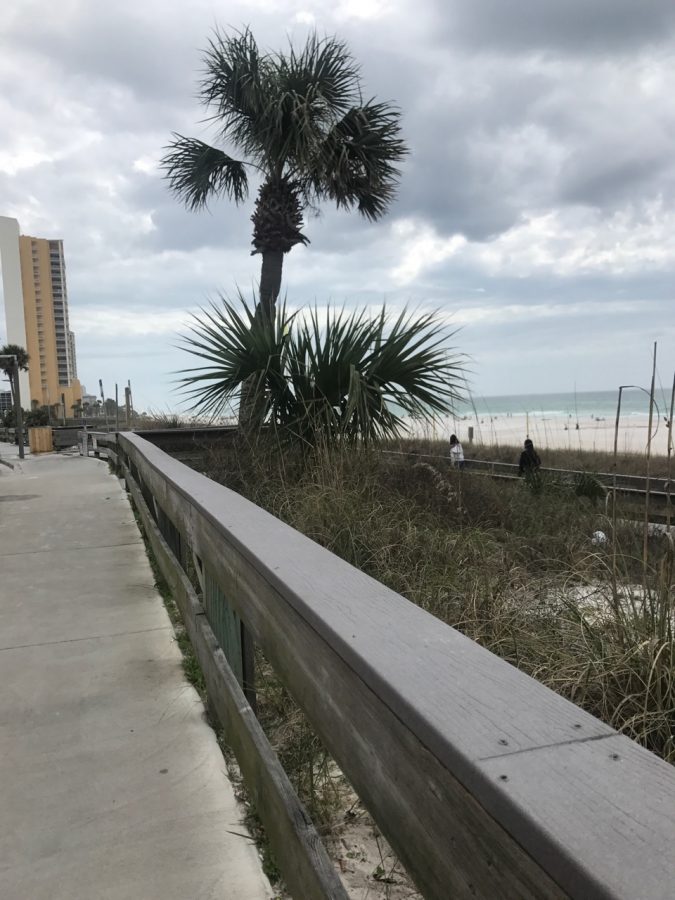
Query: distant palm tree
(345, 375)
(22, 359)
(301, 124)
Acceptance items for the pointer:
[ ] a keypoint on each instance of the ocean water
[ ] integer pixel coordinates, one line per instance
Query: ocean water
(576, 406)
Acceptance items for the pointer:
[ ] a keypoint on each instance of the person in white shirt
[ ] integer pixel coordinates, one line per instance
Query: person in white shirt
(456, 452)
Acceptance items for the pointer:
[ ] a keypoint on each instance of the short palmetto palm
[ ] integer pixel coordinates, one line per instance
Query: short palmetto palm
(301, 126)
(331, 375)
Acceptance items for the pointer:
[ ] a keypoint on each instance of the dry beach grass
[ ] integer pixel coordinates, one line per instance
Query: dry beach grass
(513, 568)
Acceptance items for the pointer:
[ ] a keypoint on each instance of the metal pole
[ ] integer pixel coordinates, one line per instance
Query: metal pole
(645, 539)
(127, 404)
(18, 412)
(117, 408)
(615, 596)
(63, 408)
(105, 408)
(669, 483)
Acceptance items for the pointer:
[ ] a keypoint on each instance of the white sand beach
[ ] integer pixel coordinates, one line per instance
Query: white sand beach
(555, 432)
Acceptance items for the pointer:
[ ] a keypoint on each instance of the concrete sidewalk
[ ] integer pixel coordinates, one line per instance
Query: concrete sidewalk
(112, 785)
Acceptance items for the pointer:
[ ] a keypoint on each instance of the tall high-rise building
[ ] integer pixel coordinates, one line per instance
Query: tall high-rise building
(36, 314)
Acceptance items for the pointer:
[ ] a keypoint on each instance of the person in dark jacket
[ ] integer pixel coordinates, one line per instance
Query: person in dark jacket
(529, 460)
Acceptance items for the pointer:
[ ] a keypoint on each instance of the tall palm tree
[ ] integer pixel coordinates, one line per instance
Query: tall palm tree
(22, 359)
(299, 124)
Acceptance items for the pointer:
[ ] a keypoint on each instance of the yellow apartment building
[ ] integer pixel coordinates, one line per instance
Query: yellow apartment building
(34, 277)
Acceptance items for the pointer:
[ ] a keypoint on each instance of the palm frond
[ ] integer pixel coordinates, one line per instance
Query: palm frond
(315, 87)
(235, 347)
(413, 365)
(357, 161)
(196, 171)
(236, 86)
(307, 91)
(324, 72)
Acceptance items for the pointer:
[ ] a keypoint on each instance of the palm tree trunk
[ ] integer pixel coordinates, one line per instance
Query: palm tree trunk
(251, 403)
(277, 220)
(270, 279)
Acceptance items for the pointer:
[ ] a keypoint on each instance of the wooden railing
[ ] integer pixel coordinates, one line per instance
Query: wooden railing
(486, 783)
(636, 483)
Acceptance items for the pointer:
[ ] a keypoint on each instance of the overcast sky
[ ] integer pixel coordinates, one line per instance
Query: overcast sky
(536, 207)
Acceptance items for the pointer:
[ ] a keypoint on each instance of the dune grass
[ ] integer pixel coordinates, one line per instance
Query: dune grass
(514, 569)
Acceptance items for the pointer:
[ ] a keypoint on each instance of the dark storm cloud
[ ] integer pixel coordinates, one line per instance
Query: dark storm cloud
(563, 26)
(457, 282)
(457, 115)
(604, 182)
(476, 189)
(108, 44)
(465, 195)
(533, 138)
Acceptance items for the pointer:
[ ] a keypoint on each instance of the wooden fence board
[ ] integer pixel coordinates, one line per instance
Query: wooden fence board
(225, 624)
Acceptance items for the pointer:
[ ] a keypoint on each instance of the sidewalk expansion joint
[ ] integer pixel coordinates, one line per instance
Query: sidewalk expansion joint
(89, 637)
(71, 549)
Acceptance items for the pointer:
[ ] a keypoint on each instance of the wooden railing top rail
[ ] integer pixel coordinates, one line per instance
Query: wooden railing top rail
(534, 797)
(657, 483)
(204, 430)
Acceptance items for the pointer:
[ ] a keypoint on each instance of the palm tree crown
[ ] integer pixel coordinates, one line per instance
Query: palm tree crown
(22, 360)
(17, 351)
(298, 119)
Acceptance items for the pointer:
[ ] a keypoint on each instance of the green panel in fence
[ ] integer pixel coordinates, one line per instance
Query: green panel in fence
(225, 623)
(169, 531)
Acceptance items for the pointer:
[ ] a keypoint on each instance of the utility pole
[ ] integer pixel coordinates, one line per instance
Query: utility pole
(127, 404)
(117, 408)
(18, 411)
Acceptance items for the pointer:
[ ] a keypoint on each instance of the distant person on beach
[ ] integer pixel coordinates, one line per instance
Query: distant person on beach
(529, 460)
(456, 452)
